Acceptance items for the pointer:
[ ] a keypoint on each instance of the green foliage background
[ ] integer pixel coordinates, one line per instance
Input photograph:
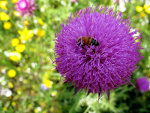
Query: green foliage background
(27, 95)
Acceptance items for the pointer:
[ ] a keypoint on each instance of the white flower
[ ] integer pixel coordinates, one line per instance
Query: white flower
(3, 71)
(6, 53)
(34, 64)
(1, 79)
(8, 93)
(21, 79)
(39, 109)
(5, 92)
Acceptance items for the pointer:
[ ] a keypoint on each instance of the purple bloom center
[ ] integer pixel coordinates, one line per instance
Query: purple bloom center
(22, 4)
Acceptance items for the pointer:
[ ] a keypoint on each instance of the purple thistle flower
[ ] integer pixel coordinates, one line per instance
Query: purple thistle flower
(101, 68)
(26, 7)
(142, 84)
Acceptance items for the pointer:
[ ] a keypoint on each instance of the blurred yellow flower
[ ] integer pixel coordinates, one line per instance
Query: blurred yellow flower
(26, 34)
(54, 93)
(7, 25)
(147, 10)
(4, 108)
(29, 105)
(142, 14)
(14, 41)
(139, 8)
(26, 22)
(20, 48)
(16, 13)
(25, 81)
(11, 73)
(15, 56)
(14, 1)
(35, 110)
(13, 103)
(40, 33)
(19, 91)
(3, 4)
(48, 83)
(146, 6)
(41, 21)
(4, 16)
(10, 84)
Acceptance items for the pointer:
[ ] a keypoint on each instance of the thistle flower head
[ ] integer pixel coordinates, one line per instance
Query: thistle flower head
(142, 84)
(97, 68)
(26, 7)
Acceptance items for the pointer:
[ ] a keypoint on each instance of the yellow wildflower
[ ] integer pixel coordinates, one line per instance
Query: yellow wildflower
(54, 93)
(19, 91)
(26, 22)
(13, 103)
(41, 21)
(7, 25)
(14, 41)
(16, 13)
(48, 83)
(146, 6)
(29, 105)
(11, 73)
(15, 56)
(3, 4)
(147, 10)
(40, 33)
(26, 34)
(4, 16)
(20, 48)
(142, 14)
(35, 110)
(139, 8)
(4, 108)
(14, 1)
(10, 84)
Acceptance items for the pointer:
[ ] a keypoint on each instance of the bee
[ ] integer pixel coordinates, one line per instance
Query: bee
(87, 41)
